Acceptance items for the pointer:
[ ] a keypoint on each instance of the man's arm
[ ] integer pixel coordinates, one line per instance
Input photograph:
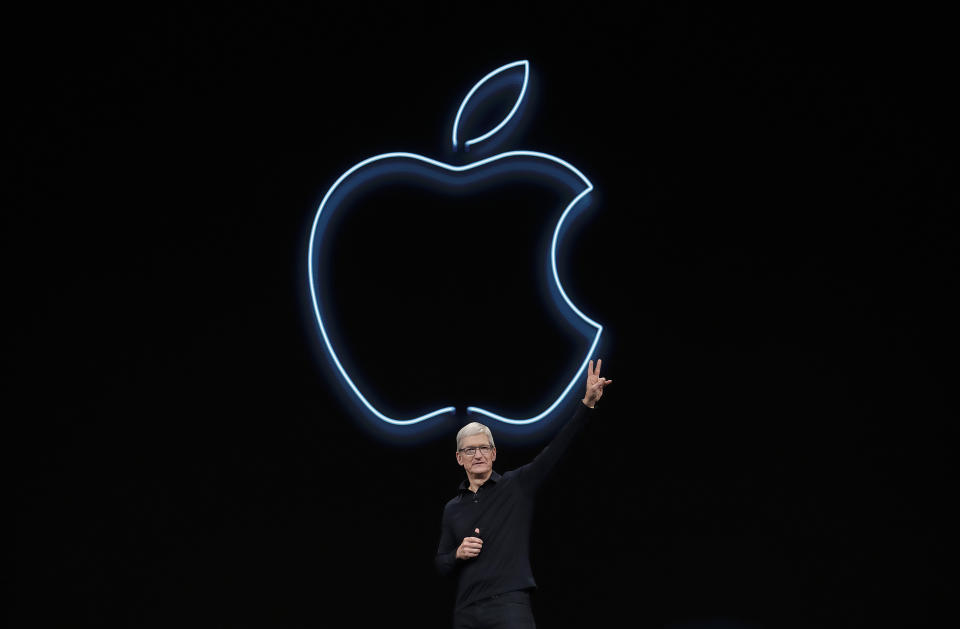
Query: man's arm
(535, 472)
(446, 559)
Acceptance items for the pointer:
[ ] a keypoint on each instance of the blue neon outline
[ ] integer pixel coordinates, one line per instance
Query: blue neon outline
(553, 265)
(516, 105)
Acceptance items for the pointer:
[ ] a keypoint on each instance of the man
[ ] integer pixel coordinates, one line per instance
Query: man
(485, 532)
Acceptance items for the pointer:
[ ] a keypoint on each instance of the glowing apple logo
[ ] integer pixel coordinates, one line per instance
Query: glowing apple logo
(380, 169)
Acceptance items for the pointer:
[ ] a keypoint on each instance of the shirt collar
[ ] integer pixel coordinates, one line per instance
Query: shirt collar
(465, 484)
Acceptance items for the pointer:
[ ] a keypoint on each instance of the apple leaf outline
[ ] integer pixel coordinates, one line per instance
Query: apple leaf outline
(473, 91)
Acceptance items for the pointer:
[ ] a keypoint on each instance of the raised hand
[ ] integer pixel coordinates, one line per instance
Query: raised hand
(595, 384)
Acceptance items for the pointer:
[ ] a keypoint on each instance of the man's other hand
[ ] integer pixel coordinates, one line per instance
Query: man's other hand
(470, 547)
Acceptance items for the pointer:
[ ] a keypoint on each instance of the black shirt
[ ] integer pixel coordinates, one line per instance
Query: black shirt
(502, 508)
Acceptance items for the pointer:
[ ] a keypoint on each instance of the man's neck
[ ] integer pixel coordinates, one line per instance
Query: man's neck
(476, 481)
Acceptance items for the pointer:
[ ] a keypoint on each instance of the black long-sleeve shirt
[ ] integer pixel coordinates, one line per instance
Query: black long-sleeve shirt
(502, 508)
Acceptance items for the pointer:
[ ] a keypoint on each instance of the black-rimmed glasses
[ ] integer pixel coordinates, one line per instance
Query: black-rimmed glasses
(484, 450)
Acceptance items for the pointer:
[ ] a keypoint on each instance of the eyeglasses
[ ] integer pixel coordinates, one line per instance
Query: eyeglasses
(484, 450)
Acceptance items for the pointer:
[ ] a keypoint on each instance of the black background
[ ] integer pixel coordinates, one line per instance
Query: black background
(771, 250)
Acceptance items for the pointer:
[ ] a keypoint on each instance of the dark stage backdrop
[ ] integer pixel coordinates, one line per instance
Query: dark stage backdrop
(771, 248)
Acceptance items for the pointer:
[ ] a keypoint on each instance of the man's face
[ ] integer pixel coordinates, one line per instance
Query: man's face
(477, 463)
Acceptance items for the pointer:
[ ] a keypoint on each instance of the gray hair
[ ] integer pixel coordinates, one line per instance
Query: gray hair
(474, 428)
